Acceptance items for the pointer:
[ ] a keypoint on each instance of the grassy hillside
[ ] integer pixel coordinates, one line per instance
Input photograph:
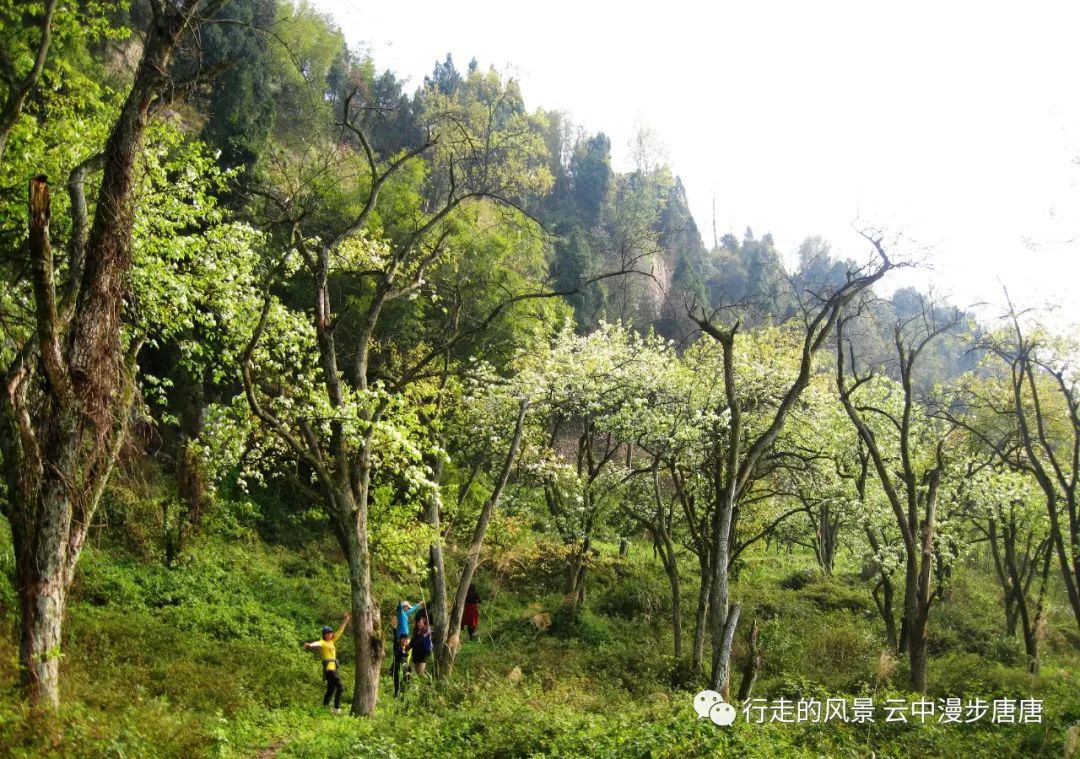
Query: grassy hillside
(204, 659)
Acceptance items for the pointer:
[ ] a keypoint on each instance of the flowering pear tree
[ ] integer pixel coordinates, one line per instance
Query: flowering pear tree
(1031, 423)
(908, 450)
(358, 413)
(587, 389)
(1005, 508)
(488, 427)
(816, 318)
(69, 360)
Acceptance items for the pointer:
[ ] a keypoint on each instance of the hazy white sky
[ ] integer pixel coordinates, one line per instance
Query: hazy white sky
(956, 124)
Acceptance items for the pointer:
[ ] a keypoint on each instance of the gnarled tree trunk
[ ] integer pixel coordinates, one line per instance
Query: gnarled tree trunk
(67, 394)
(753, 663)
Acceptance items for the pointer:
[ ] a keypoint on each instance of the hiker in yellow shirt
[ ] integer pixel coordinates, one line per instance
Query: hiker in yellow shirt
(328, 651)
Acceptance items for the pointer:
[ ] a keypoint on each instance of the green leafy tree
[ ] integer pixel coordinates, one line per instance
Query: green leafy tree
(480, 146)
(70, 378)
(242, 104)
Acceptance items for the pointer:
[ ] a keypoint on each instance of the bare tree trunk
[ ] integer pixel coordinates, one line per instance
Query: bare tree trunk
(1032, 634)
(39, 644)
(671, 567)
(917, 611)
(1031, 642)
(884, 602)
(918, 632)
(41, 589)
(888, 614)
(662, 542)
(367, 638)
(827, 539)
(906, 489)
(1070, 570)
(437, 604)
(917, 657)
(884, 605)
(1055, 466)
(579, 580)
(676, 612)
(1029, 624)
(1012, 615)
(753, 664)
(723, 616)
(367, 633)
(721, 674)
(735, 467)
(575, 576)
(701, 620)
(1009, 599)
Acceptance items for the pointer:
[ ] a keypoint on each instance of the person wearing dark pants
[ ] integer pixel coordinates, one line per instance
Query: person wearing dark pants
(421, 646)
(333, 688)
(401, 664)
(327, 647)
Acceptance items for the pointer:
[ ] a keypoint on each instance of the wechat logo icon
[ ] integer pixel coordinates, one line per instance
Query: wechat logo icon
(710, 704)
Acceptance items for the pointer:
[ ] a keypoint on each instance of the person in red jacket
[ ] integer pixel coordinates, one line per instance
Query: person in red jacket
(471, 618)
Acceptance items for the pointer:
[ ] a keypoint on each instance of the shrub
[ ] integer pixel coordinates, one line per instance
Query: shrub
(800, 579)
(581, 624)
(636, 595)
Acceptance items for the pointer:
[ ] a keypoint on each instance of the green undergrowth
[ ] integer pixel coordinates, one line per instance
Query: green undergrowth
(204, 659)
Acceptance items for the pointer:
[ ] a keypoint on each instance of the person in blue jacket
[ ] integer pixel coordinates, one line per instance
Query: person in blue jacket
(404, 611)
(421, 645)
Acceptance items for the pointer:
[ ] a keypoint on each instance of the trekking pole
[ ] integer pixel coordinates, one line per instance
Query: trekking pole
(423, 600)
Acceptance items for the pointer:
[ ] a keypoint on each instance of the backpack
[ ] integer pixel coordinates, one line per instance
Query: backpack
(426, 646)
